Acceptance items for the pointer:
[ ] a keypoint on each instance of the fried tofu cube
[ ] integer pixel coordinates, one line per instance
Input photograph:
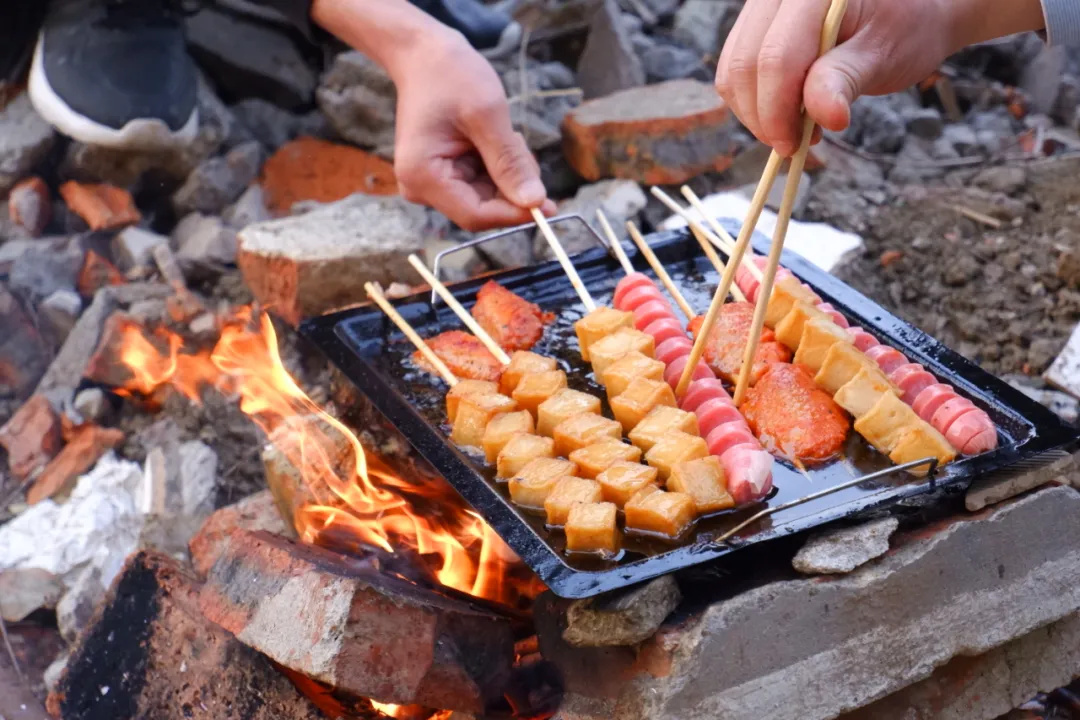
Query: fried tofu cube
(582, 430)
(639, 399)
(521, 364)
(922, 441)
(789, 330)
(564, 404)
(600, 323)
(660, 421)
(592, 527)
(502, 428)
(673, 448)
(886, 422)
(534, 483)
(842, 363)
(862, 392)
(623, 480)
(474, 412)
(570, 491)
(598, 457)
(465, 388)
(786, 292)
(818, 336)
(606, 351)
(519, 451)
(535, 388)
(664, 513)
(703, 480)
(628, 368)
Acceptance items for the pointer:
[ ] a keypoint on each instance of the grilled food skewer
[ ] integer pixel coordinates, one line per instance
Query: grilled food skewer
(695, 201)
(829, 33)
(560, 253)
(616, 246)
(379, 299)
(460, 311)
(717, 263)
(658, 268)
(695, 224)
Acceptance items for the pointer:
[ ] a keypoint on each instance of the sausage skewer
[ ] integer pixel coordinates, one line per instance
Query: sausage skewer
(379, 299)
(564, 260)
(717, 263)
(658, 268)
(616, 246)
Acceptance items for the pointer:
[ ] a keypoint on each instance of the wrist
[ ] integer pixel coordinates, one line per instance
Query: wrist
(975, 21)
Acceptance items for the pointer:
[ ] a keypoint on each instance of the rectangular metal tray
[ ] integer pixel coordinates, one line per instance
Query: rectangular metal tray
(375, 356)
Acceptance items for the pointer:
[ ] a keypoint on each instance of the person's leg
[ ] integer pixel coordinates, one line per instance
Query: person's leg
(115, 72)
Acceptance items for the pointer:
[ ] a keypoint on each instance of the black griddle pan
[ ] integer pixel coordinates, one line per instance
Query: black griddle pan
(363, 343)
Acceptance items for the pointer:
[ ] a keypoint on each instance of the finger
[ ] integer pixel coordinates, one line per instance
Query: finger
(837, 78)
(506, 156)
(738, 74)
(788, 50)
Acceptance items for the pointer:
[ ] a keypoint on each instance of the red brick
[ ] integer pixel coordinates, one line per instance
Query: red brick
(31, 437)
(363, 632)
(29, 205)
(87, 444)
(106, 366)
(96, 273)
(256, 512)
(103, 207)
(149, 653)
(311, 169)
(657, 134)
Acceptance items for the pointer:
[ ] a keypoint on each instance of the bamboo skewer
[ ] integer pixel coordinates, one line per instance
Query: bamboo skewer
(620, 253)
(829, 33)
(695, 224)
(665, 279)
(560, 253)
(461, 312)
(710, 252)
(695, 201)
(379, 299)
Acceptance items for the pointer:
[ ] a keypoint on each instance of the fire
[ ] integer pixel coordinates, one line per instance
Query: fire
(357, 495)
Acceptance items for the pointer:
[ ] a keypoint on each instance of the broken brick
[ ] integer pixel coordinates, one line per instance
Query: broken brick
(149, 653)
(103, 207)
(312, 169)
(24, 356)
(96, 273)
(85, 447)
(31, 437)
(656, 134)
(345, 623)
(29, 205)
(107, 367)
(255, 512)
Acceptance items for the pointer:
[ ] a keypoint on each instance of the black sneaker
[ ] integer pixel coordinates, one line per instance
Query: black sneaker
(18, 31)
(490, 31)
(115, 73)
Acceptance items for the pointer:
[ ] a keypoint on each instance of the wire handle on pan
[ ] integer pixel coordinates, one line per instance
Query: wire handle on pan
(931, 461)
(510, 231)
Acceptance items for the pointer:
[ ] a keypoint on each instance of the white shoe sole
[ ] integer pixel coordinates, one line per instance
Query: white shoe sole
(141, 134)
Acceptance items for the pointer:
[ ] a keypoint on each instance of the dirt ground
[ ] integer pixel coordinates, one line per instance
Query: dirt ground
(1006, 297)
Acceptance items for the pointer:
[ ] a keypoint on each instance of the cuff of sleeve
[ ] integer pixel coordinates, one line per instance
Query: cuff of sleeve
(1062, 22)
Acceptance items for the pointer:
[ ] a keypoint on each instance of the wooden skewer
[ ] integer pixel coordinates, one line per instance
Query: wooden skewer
(695, 224)
(665, 279)
(829, 33)
(710, 252)
(695, 201)
(620, 253)
(564, 260)
(460, 311)
(379, 299)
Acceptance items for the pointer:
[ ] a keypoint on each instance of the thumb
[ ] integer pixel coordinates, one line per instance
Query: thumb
(834, 82)
(511, 166)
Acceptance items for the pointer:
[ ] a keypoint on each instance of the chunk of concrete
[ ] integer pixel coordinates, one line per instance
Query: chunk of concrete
(841, 550)
(25, 140)
(623, 618)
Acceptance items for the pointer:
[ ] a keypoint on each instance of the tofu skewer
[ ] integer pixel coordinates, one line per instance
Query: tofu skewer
(402, 324)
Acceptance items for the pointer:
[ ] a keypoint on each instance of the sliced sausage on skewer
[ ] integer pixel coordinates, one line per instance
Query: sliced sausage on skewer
(887, 358)
(674, 371)
(640, 295)
(863, 340)
(951, 411)
(665, 329)
(650, 312)
(932, 398)
(912, 379)
(728, 436)
(701, 391)
(672, 348)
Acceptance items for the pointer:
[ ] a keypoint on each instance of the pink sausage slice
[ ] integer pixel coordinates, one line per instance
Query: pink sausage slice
(668, 350)
(675, 370)
(930, 399)
(648, 313)
(640, 295)
(701, 391)
(749, 473)
(628, 283)
(951, 411)
(973, 433)
(713, 413)
(887, 358)
(746, 281)
(730, 435)
(863, 340)
(911, 378)
(665, 329)
(835, 314)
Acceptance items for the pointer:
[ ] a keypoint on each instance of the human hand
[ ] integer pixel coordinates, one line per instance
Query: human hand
(769, 66)
(456, 148)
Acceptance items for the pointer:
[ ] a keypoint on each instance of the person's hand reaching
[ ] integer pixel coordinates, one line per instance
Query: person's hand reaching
(769, 65)
(456, 149)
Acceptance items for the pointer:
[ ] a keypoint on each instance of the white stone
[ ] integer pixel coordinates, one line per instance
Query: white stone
(844, 549)
(1064, 372)
(134, 247)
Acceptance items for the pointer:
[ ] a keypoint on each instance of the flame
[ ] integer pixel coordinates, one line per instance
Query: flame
(357, 496)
